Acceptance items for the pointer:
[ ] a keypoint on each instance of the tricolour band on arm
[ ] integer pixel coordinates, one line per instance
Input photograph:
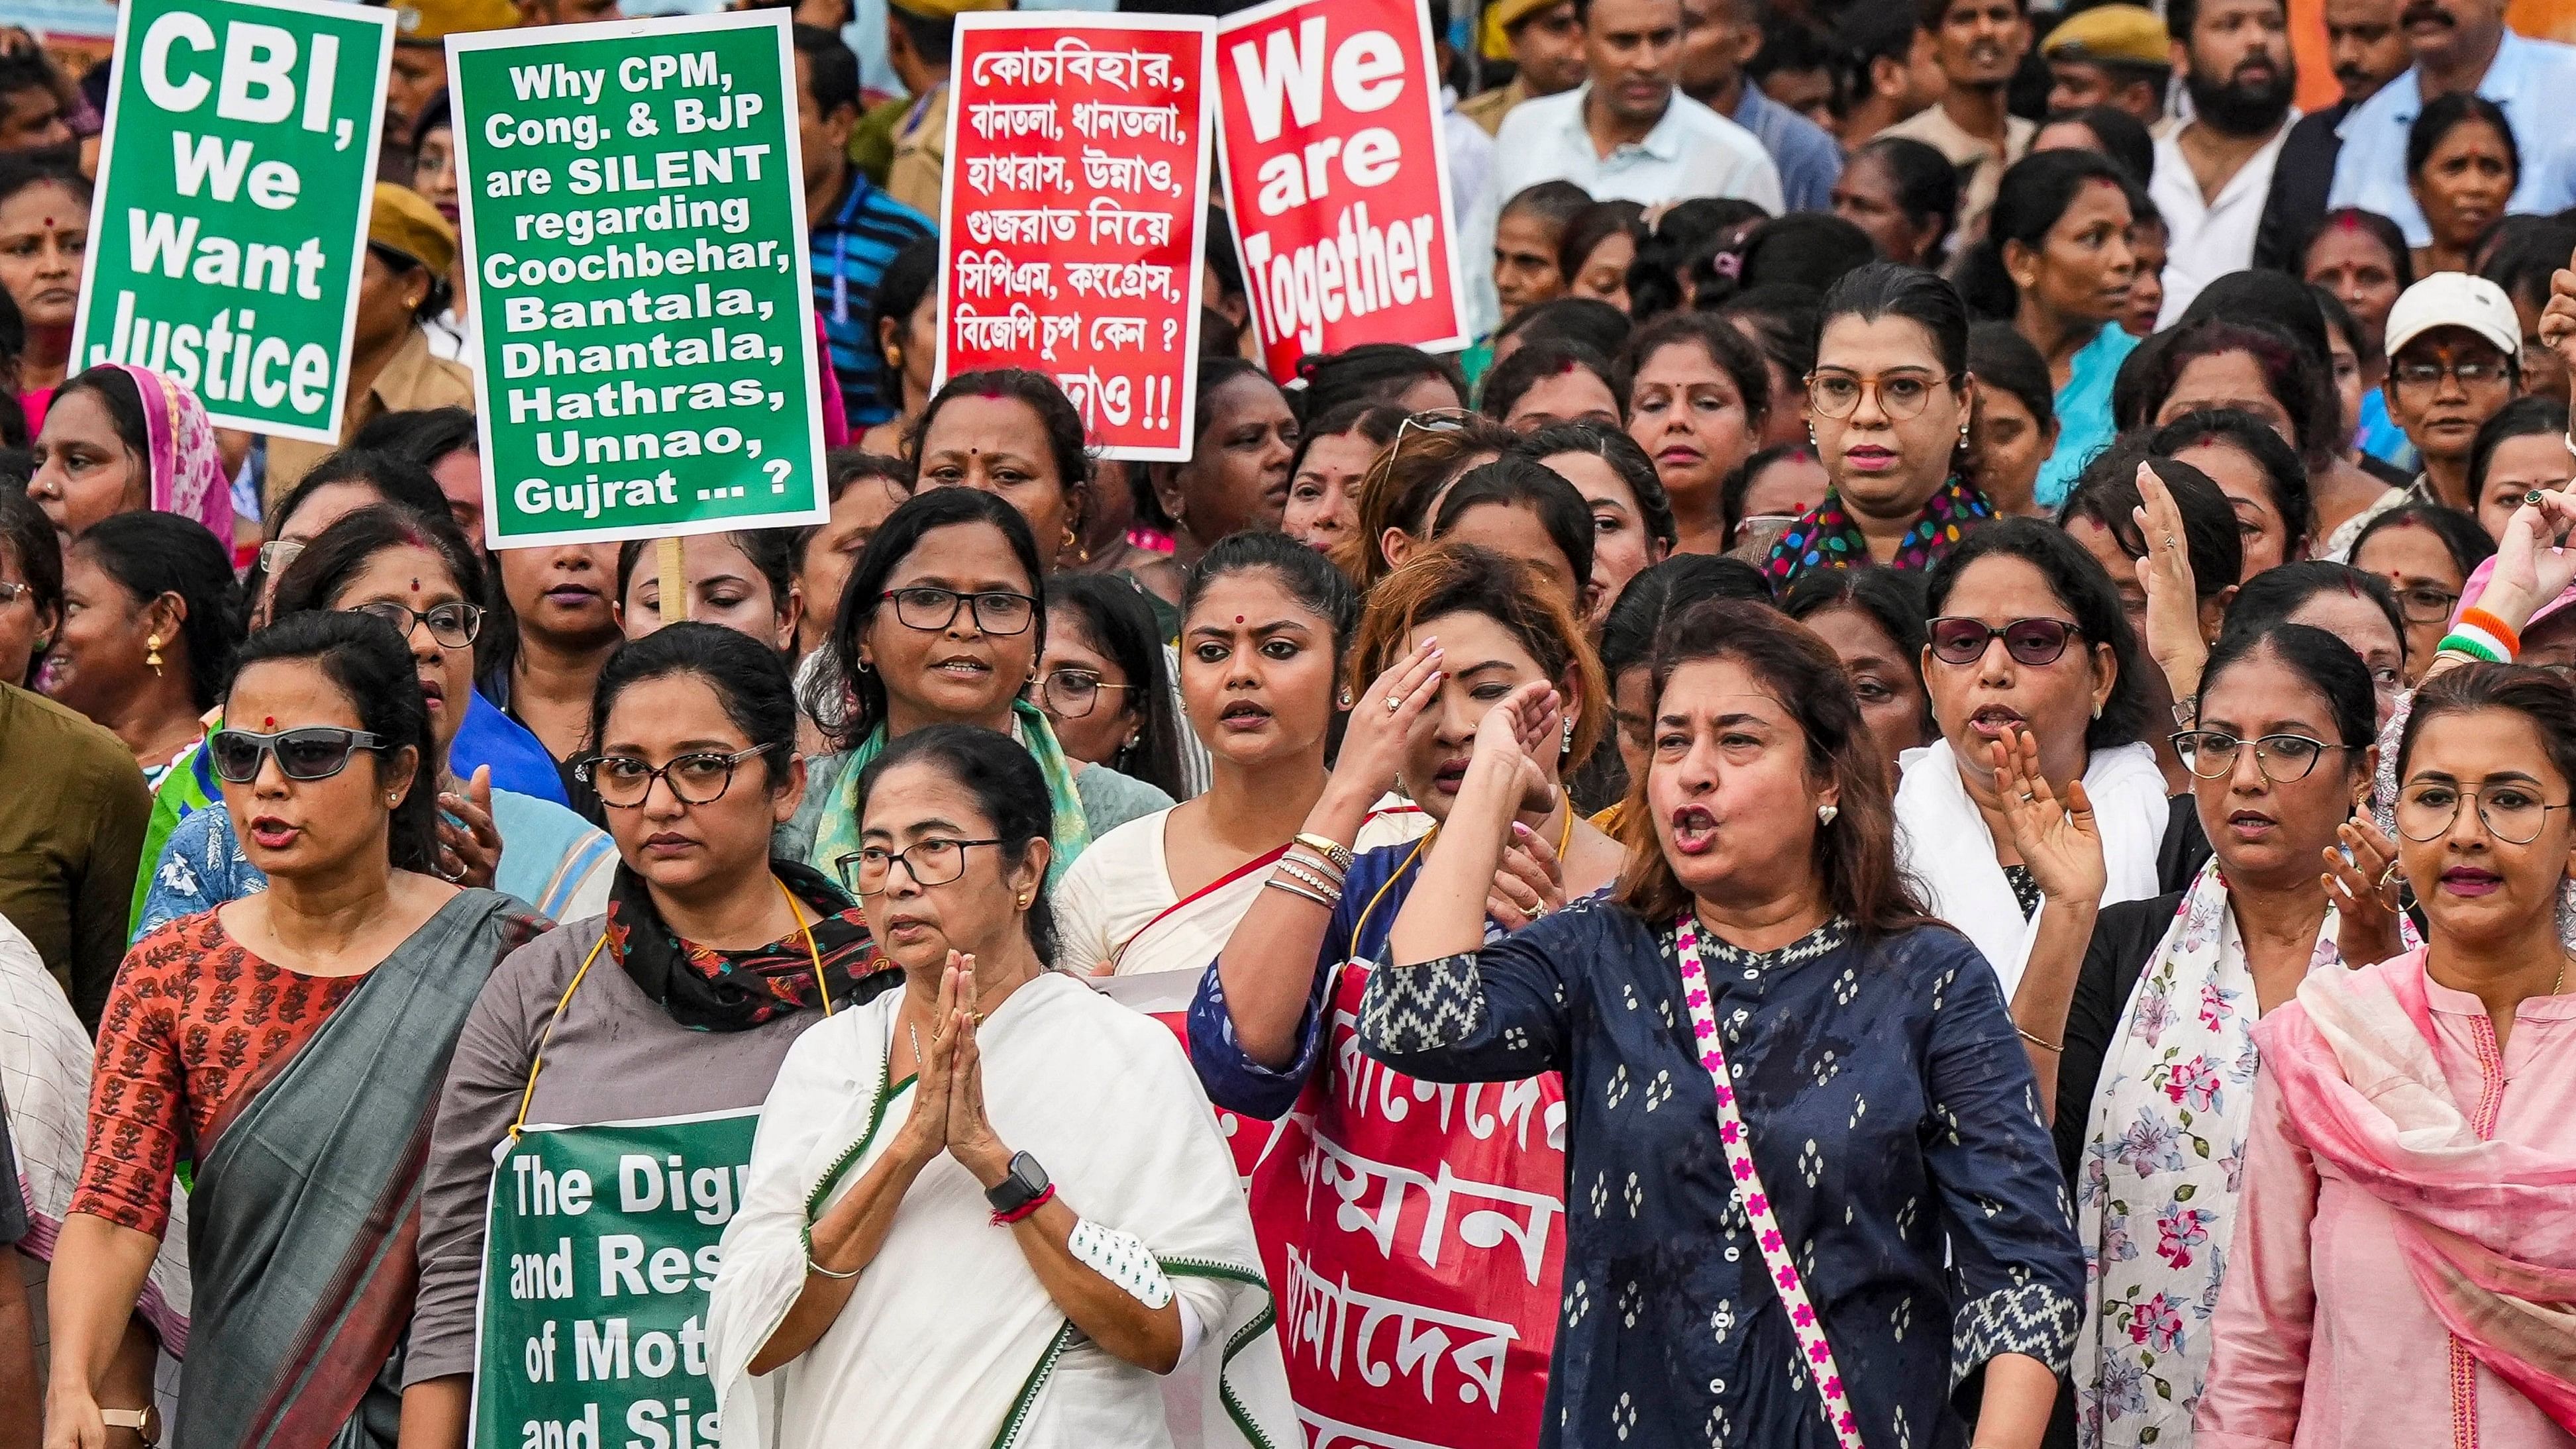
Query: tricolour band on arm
(1123, 1259)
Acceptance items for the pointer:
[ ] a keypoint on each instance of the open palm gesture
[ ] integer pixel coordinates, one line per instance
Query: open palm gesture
(2060, 843)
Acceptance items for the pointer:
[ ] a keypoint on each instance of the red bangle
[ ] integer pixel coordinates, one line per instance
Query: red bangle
(1004, 1220)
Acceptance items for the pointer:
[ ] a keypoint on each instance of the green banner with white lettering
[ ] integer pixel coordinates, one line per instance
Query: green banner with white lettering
(231, 215)
(599, 1250)
(634, 209)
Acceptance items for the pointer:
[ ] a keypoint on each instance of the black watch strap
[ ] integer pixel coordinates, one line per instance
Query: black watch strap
(1020, 1188)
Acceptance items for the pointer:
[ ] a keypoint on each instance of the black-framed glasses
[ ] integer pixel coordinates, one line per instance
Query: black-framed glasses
(700, 778)
(453, 624)
(2426, 604)
(314, 752)
(1069, 693)
(2282, 759)
(1836, 394)
(2513, 814)
(931, 862)
(930, 610)
(2423, 372)
(2035, 642)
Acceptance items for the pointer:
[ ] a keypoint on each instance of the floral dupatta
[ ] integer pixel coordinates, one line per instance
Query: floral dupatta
(2155, 1195)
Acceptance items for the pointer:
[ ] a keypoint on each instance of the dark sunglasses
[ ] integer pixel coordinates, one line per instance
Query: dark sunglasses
(316, 752)
(2034, 642)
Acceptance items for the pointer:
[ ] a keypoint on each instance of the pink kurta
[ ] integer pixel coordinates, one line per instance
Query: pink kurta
(2323, 1340)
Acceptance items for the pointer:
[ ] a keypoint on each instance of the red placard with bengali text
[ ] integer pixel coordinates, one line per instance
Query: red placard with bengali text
(1338, 178)
(1073, 214)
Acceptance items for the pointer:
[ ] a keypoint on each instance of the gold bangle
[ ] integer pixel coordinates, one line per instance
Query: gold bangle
(1339, 855)
(2034, 1039)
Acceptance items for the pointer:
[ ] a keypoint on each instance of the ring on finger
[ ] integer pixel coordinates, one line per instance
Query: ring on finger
(1394, 703)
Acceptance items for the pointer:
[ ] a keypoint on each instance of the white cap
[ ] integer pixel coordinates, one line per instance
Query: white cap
(2455, 299)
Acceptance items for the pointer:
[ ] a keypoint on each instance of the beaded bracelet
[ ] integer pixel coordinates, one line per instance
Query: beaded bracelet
(1332, 889)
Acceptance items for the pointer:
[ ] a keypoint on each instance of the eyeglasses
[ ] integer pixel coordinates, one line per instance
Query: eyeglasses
(2474, 372)
(2281, 759)
(2034, 642)
(931, 610)
(2426, 604)
(1434, 420)
(1069, 693)
(453, 624)
(277, 553)
(929, 862)
(315, 752)
(11, 593)
(1902, 395)
(695, 779)
(2510, 813)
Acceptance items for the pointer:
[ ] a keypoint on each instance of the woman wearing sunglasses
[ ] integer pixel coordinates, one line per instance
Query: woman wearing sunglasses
(2144, 1036)
(2404, 1243)
(418, 575)
(1889, 403)
(2027, 643)
(991, 1206)
(291, 1038)
(943, 622)
(678, 1003)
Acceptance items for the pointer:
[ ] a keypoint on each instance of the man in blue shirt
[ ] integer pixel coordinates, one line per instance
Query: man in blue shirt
(2462, 45)
(855, 228)
(1718, 38)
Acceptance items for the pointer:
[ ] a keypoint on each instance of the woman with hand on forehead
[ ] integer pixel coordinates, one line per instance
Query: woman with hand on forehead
(1819, 1192)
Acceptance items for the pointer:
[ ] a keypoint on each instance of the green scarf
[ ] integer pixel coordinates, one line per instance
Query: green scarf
(837, 833)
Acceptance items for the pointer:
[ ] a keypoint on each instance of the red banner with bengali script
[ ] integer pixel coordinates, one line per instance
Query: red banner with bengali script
(1337, 177)
(1414, 1236)
(1073, 214)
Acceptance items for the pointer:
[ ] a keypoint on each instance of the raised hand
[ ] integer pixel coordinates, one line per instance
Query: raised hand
(1373, 744)
(1530, 883)
(2061, 844)
(1525, 727)
(2164, 573)
(971, 1139)
(925, 1132)
(469, 853)
(2558, 318)
(2533, 565)
(2364, 893)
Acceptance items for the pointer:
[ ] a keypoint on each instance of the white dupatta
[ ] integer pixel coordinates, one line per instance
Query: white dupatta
(949, 1339)
(1943, 843)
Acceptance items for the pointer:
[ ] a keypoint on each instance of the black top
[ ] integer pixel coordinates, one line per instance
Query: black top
(2185, 848)
(2124, 936)
(2300, 181)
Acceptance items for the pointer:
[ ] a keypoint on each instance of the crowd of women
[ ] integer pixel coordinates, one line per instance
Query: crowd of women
(1817, 857)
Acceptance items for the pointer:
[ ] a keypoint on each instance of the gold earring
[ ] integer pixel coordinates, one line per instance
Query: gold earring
(154, 657)
(1024, 900)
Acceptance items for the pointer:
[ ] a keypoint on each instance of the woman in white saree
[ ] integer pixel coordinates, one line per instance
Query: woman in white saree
(992, 1207)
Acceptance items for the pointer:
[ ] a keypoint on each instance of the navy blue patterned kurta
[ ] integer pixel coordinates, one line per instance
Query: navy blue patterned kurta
(1893, 1120)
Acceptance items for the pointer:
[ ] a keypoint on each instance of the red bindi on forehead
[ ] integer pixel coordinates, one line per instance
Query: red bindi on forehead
(268, 721)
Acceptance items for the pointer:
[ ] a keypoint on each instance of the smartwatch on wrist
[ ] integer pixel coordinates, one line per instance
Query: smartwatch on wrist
(1020, 1187)
(145, 1421)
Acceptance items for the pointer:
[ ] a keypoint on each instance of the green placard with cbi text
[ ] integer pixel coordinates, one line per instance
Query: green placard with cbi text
(600, 1246)
(634, 214)
(231, 209)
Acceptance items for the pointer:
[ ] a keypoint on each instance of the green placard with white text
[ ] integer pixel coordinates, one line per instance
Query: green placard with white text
(634, 212)
(231, 213)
